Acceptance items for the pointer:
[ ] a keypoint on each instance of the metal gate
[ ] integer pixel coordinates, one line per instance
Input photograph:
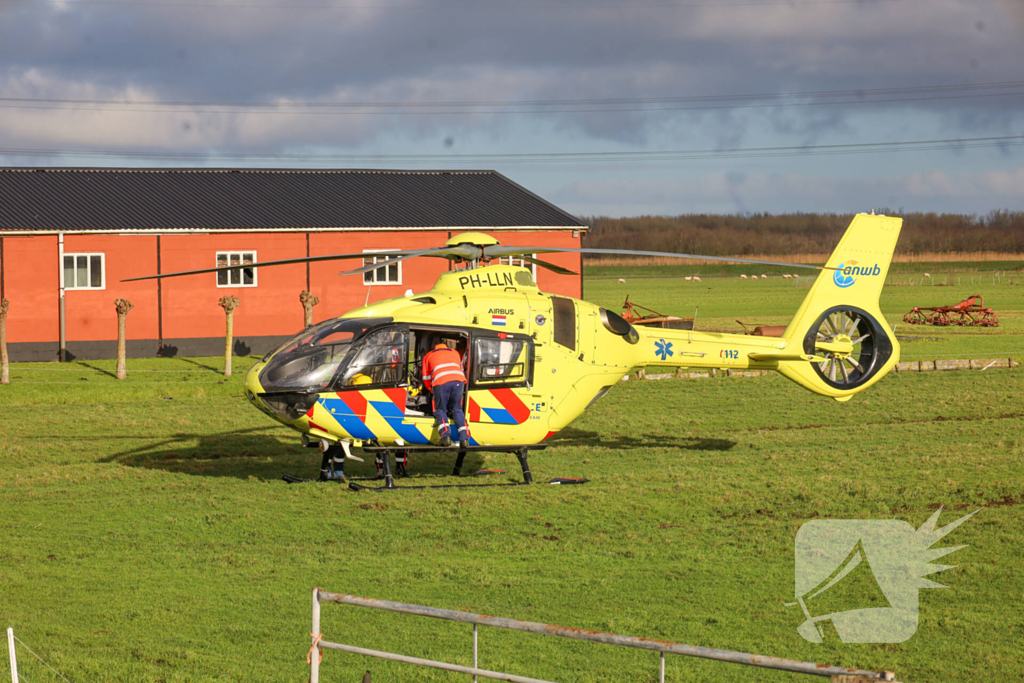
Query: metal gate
(836, 673)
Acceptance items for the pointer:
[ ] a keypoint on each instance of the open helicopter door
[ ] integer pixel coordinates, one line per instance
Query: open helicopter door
(419, 410)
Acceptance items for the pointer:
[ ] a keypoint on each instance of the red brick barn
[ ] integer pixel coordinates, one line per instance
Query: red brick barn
(69, 236)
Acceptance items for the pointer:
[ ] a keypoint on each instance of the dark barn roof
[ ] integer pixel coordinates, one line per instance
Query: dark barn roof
(230, 199)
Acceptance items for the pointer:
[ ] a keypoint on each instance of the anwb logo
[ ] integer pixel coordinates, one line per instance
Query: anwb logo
(859, 579)
(847, 272)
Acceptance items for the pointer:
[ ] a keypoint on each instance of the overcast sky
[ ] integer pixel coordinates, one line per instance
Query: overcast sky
(246, 83)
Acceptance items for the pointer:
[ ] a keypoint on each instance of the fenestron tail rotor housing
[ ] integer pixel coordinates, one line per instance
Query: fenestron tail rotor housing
(853, 344)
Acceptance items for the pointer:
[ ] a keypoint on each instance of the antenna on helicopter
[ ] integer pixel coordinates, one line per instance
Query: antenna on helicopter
(693, 324)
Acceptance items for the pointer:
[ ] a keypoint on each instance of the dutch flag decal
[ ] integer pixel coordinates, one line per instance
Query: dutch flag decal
(498, 320)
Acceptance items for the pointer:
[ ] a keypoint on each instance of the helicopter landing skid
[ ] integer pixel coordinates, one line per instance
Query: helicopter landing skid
(291, 479)
(520, 451)
(564, 481)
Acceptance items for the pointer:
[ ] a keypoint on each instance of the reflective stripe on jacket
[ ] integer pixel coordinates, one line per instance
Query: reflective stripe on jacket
(442, 365)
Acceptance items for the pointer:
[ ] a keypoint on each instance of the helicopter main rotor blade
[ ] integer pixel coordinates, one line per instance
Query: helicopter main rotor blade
(550, 266)
(465, 253)
(498, 250)
(306, 259)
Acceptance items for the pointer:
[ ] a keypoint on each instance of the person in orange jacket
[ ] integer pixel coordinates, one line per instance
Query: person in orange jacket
(443, 376)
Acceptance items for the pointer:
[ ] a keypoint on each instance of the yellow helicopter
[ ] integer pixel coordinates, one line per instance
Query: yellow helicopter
(536, 361)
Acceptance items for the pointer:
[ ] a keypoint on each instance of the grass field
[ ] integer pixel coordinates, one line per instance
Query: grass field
(147, 536)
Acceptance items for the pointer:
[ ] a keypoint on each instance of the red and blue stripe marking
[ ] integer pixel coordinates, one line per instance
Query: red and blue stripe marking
(500, 406)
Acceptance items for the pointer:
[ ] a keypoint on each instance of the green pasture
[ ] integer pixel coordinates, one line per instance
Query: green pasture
(145, 534)
(721, 298)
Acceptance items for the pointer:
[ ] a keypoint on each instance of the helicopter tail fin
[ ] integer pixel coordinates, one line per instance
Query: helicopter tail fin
(840, 322)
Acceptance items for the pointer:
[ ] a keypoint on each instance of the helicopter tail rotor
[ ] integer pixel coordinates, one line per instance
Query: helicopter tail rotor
(840, 322)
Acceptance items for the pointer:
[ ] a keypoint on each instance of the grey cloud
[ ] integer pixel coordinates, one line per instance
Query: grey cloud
(533, 52)
(258, 53)
(731, 192)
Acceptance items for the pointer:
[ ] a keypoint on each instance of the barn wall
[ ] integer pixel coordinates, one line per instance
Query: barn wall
(272, 308)
(192, 322)
(90, 313)
(341, 294)
(31, 283)
(553, 283)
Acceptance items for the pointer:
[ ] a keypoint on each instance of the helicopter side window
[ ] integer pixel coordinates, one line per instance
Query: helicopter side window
(379, 358)
(563, 314)
(500, 361)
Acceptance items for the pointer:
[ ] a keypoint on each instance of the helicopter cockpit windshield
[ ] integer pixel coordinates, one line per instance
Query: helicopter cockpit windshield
(379, 358)
(310, 361)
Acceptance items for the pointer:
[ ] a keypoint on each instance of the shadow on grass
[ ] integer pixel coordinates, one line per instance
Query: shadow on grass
(98, 369)
(201, 365)
(579, 437)
(255, 452)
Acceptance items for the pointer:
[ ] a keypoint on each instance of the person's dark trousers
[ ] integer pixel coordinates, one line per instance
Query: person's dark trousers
(448, 404)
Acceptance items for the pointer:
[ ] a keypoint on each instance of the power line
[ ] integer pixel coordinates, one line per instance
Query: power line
(856, 93)
(554, 157)
(469, 5)
(503, 112)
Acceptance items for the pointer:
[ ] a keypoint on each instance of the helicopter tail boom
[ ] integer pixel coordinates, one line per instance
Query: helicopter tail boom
(837, 344)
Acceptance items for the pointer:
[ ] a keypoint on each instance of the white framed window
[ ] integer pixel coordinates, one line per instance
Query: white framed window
(389, 272)
(522, 263)
(240, 277)
(85, 271)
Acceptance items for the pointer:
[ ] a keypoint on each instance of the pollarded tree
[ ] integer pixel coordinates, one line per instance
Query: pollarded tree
(122, 306)
(308, 301)
(5, 366)
(229, 304)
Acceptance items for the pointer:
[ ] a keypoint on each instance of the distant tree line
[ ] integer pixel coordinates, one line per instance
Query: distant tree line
(802, 233)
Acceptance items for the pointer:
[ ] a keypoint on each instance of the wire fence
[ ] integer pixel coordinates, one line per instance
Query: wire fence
(661, 647)
(107, 372)
(15, 674)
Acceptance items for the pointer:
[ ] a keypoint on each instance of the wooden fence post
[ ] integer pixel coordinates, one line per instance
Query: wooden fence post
(122, 306)
(308, 301)
(229, 304)
(5, 365)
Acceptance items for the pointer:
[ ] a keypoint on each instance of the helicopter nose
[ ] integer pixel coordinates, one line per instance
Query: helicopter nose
(252, 383)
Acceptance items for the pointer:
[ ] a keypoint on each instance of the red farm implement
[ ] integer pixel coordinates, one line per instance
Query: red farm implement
(969, 312)
(634, 313)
